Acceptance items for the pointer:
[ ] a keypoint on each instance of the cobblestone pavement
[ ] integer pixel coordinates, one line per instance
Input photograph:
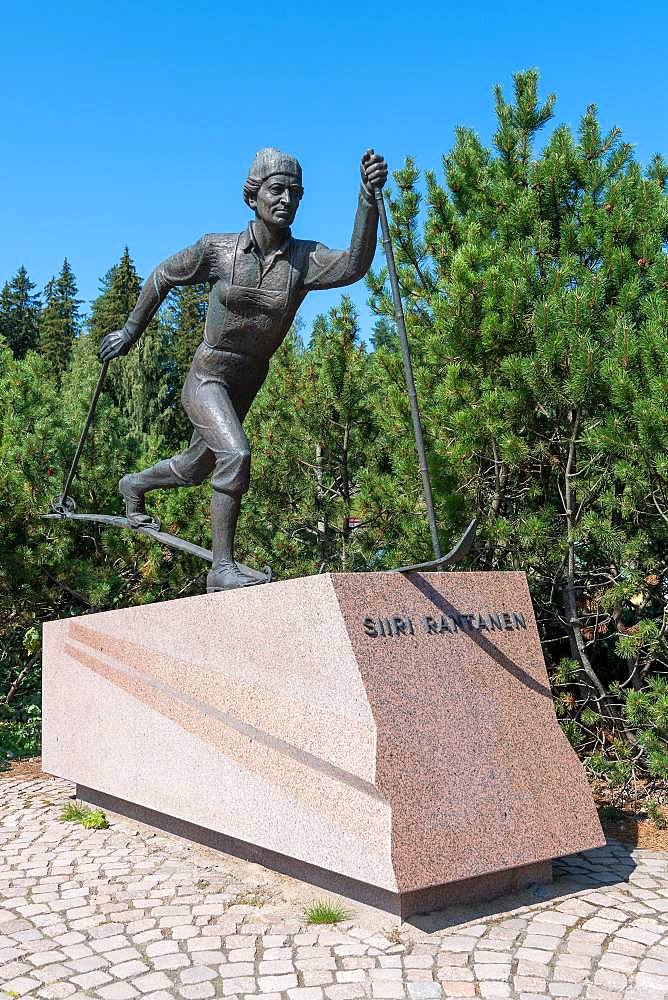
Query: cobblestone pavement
(128, 912)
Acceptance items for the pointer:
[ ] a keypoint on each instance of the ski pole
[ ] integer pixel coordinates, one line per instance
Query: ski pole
(64, 504)
(408, 371)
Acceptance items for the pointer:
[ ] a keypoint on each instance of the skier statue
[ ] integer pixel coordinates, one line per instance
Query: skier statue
(258, 279)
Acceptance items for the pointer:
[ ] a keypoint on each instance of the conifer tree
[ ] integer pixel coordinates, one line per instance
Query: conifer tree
(19, 313)
(310, 507)
(119, 290)
(139, 382)
(183, 322)
(59, 323)
(536, 294)
(336, 394)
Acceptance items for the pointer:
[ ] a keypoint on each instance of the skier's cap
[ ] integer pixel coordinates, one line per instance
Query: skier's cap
(271, 161)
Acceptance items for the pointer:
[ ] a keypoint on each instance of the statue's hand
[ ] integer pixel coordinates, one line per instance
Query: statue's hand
(374, 170)
(114, 345)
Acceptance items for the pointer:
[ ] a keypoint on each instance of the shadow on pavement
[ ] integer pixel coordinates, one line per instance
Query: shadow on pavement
(595, 869)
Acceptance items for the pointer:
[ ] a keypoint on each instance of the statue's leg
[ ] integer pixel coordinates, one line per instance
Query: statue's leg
(212, 413)
(187, 469)
(135, 485)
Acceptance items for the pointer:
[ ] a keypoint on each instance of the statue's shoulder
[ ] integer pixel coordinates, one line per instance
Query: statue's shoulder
(302, 249)
(214, 241)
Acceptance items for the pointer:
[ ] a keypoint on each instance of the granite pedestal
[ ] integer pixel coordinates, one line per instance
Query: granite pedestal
(388, 737)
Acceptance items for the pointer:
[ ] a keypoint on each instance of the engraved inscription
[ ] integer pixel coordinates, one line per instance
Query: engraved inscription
(396, 626)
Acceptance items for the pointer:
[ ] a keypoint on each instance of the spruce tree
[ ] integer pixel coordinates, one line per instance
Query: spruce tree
(138, 383)
(183, 325)
(59, 323)
(20, 313)
(119, 290)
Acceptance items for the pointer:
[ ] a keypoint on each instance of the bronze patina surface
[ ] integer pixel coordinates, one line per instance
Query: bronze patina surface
(258, 279)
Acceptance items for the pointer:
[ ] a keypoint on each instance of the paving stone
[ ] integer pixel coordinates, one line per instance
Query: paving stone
(19, 986)
(197, 974)
(117, 991)
(11, 970)
(651, 965)
(57, 991)
(152, 981)
(234, 970)
(418, 961)
(492, 990)
(246, 984)
(424, 991)
(529, 984)
(276, 984)
(317, 978)
(197, 991)
(89, 980)
(646, 980)
(388, 990)
(344, 991)
(165, 962)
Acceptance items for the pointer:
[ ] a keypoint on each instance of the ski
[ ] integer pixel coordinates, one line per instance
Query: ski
(171, 541)
(457, 552)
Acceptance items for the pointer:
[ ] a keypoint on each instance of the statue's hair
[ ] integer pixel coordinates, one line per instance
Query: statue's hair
(251, 188)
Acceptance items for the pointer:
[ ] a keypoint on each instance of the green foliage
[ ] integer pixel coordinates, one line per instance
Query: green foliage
(655, 814)
(90, 819)
(182, 324)
(535, 285)
(95, 820)
(19, 314)
(59, 322)
(73, 812)
(610, 813)
(324, 912)
(312, 505)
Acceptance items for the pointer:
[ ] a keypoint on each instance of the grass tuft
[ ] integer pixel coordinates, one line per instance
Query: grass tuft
(73, 812)
(90, 819)
(324, 912)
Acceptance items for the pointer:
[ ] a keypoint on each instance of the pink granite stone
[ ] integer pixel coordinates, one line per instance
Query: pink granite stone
(351, 729)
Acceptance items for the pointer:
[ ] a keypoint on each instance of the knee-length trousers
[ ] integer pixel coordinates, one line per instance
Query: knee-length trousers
(216, 404)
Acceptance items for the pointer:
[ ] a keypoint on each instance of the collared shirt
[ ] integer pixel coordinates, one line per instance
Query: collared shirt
(249, 244)
(254, 299)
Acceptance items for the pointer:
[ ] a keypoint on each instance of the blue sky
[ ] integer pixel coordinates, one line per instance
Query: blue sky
(136, 122)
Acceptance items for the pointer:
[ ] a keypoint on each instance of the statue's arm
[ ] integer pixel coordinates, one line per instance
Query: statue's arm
(333, 268)
(188, 267)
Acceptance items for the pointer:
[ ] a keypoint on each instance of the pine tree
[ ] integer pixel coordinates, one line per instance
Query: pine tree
(536, 294)
(311, 506)
(336, 393)
(59, 323)
(19, 314)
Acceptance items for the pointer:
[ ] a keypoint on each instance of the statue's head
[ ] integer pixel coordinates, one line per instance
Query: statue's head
(273, 188)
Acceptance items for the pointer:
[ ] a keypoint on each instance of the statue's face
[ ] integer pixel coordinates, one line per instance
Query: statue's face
(277, 200)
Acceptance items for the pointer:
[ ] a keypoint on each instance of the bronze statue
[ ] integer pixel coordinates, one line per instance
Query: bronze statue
(258, 279)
